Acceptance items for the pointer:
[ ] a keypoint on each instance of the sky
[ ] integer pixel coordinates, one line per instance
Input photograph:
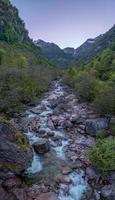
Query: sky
(68, 23)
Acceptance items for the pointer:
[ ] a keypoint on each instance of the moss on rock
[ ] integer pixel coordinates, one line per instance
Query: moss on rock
(15, 150)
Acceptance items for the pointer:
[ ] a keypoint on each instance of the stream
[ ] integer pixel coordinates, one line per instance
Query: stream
(48, 168)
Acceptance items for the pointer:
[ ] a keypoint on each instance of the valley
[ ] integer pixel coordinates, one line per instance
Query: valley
(60, 131)
(57, 112)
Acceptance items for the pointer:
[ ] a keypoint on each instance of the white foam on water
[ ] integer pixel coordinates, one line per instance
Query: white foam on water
(30, 114)
(57, 92)
(45, 103)
(32, 137)
(60, 149)
(78, 186)
(59, 133)
(36, 165)
(76, 189)
(45, 113)
(45, 129)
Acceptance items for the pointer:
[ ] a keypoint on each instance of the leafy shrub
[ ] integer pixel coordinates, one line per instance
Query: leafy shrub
(112, 128)
(102, 154)
(86, 87)
(101, 134)
(2, 54)
(104, 103)
(22, 86)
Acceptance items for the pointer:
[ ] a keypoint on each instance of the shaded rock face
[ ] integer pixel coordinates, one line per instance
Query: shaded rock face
(48, 196)
(3, 194)
(92, 173)
(19, 194)
(11, 183)
(42, 146)
(111, 177)
(93, 125)
(15, 152)
(108, 192)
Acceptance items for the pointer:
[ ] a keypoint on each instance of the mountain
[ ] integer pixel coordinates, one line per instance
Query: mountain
(81, 55)
(56, 55)
(69, 50)
(93, 47)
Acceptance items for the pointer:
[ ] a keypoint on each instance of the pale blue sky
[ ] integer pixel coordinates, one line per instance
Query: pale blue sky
(66, 22)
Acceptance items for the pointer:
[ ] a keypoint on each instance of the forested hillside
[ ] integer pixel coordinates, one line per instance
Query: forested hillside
(57, 56)
(95, 82)
(93, 47)
(22, 67)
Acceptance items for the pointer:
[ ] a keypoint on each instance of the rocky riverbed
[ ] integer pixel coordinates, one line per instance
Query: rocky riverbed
(60, 130)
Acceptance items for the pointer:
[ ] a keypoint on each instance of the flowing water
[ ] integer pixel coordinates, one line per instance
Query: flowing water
(78, 185)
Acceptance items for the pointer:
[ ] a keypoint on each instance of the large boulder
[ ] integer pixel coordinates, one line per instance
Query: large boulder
(92, 174)
(93, 125)
(65, 124)
(15, 151)
(12, 183)
(3, 194)
(108, 192)
(111, 177)
(19, 194)
(48, 196)
(50, 124)
(42, 146)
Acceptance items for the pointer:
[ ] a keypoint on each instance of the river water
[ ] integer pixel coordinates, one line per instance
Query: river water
(78, 185)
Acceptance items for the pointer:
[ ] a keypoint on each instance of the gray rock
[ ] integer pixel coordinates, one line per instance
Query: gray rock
(113, 120)
(19, 193)
(50, 124)
(15, 151)
(42, 146)
(48, 196)
(35, 110)
(93, 125)
(111, 177)
(97, 195)
(12, 183)
(108, 192)
(82, 126)
(65, 124)
(3, 194)
(92, 173)
(74, 118)
(77, 164)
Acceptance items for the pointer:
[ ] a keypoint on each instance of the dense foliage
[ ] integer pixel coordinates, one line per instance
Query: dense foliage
(22, 86)
(24, 72)
(12, 28)
(22, 75)
(102, 154)
(95, 82)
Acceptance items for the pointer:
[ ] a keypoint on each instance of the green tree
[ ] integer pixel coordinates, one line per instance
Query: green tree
(102, 154)
(2, 54)
(22, 61)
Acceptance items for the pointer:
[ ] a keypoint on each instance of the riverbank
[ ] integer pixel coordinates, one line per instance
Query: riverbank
(60, 131)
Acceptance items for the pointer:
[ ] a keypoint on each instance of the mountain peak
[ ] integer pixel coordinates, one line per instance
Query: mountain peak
(82, 55)
(47, 46)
